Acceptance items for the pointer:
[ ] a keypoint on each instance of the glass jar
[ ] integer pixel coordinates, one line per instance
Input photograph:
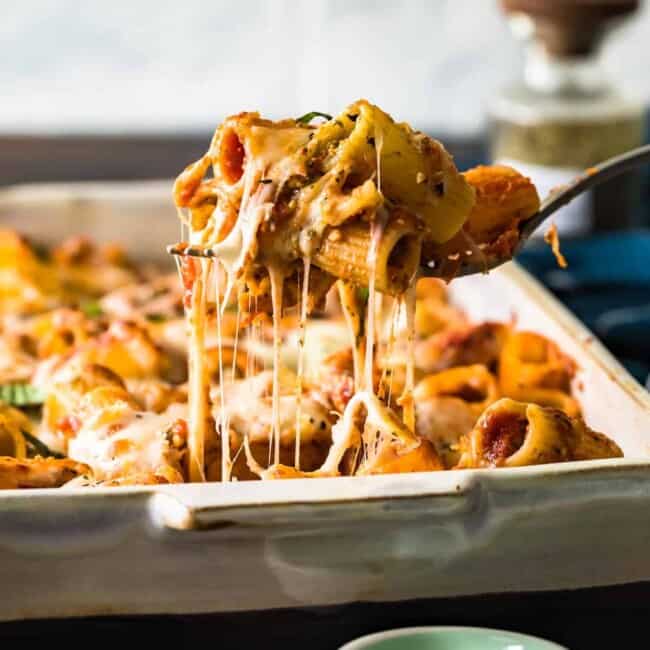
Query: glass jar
(564, 115)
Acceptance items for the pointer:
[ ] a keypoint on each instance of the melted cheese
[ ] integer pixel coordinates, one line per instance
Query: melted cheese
(198, 380)
(222, 421)
(277, 280)
(301, 356)
(249, 409)
(406, 400)
(118, 441)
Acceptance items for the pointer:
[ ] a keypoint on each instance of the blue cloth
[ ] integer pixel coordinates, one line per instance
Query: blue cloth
(607, 285)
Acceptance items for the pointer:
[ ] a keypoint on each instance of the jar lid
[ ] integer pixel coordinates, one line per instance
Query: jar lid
(570, 28)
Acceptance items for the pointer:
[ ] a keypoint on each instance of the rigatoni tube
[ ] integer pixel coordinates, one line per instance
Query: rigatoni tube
(344, 252)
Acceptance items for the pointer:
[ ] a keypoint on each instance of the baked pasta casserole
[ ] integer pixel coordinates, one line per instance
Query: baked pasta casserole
(303, 343)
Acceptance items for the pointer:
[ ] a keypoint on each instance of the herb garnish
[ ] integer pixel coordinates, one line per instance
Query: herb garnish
(308, 117)
(20, 394)
(39, 448)
(91, 308)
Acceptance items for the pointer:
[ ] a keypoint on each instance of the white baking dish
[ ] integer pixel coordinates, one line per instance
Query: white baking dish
(247, 546)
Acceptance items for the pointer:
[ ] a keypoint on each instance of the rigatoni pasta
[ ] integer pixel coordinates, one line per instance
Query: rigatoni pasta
(474, 385)
(532, 368)
(514, 434)
(344, 253)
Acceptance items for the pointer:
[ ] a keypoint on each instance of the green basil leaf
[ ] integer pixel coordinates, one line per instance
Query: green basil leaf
(21, 394)
(91, 308)
(156, 318)
(308, 117)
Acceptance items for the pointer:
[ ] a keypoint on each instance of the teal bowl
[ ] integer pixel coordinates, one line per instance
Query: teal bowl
(449, 638)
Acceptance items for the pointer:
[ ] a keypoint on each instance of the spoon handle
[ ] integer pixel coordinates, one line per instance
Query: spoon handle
(590, 178)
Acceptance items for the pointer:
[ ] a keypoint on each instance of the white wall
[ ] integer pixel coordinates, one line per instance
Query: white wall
(155, 64)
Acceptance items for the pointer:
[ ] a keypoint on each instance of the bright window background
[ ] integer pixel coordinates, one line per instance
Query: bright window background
(150, 65)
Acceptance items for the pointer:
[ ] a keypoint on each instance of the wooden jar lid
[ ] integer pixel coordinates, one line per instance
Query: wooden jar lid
(569, 28)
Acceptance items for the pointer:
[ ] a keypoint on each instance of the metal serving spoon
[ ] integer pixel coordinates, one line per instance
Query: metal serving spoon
(557, 199)
(554, 201)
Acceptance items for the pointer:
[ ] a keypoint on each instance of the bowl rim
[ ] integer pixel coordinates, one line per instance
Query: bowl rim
(361, 643)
